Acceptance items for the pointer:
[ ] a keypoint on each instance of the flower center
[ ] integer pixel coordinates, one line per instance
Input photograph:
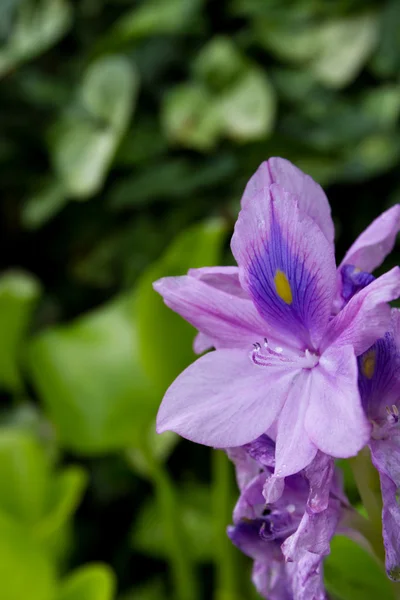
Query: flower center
(265, 356)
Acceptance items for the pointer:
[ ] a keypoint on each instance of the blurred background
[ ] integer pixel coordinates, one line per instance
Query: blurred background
(128, 130)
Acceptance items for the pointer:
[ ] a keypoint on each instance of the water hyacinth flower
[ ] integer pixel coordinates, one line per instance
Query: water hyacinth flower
(289, 539)
(380, 391)
(285, 352)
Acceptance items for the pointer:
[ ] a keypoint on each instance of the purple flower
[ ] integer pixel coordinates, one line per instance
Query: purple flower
(299, 382)
(380, 391)
(287, 539)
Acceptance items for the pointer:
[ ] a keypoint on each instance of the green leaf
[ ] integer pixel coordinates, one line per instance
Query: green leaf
(25, 570)
(195, 519)
(165, 339)
(344, 48)
(353, 574)
(154, 17)
(88, 376)
(42, 206)
(219, 63)
(247, 109)
(84, 142)
(24, 476)
(152, 591)
(64, 495)
(39, 24)
(91, 582)
(190, 117)
(386, 60)
(18, 296)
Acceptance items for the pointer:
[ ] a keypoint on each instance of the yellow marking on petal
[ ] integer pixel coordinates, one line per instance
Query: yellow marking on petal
(282, 287)
(368, 364)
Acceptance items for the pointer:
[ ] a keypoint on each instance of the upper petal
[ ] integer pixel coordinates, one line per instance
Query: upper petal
(375, 243)
(311, 197)
(286, 265)
(335, 420)
(224, 400)
(224, 318)
(366, 317)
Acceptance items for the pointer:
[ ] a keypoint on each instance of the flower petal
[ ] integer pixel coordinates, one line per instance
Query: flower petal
(227, 320)
(374, 244)
(311, 197)
(224, 400)
(366, 317)
(294, 448)
(320, 475)
(286, 265)
(335, 420)
(385, 454)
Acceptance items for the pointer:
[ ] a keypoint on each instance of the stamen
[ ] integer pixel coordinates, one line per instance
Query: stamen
(393, 414)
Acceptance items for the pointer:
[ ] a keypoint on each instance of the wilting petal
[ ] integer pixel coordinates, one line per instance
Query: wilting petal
(246, 536)
(251, 500)
(246, 468)
(271, 580)
(262, 450)
(224, 400)
(307, 578)
(226, 319)
(319, 474)
(286, 265)
(386, 458)
(367, 315)
(311, 197)
(375, 243)
(294, 448)
(335, 420)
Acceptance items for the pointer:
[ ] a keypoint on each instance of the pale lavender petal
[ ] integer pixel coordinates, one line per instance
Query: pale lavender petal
(225, 279)
(201, 343)
(311, 197)
(224, 400)
(335, 420)
(376, 242)
(273, 488)
(294, 448)
(286, 265)
(367, 315)
(245, 467)
(226, 319)
(320, 475)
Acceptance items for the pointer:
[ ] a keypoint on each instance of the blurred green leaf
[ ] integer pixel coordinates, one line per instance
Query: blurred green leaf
(38, 25)
(195, 519)
(44, 205)
(190, 117)
(345, 46)
(386, 60)
(247, 109)
(161, 445)
(154, 17)
(165, 339)
(24, 476)
(91, 582)
(219, 63)
(353, 574)
(25, 570)
(84, 142)
(88, 376)
(153, 591)
(19, 293)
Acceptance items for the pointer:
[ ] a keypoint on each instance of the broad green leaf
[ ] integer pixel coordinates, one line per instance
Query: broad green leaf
(38, 25)
(344, 48)
(190, 117)
(84, 141)
(42, 206)
(91, 582)
(219, 63)
(25, 570)
(195, 518)
(247, 108)
(24, 476)
(165, 339)
(154, 17)
(19, 293)
(88, 376)
(353, 574)
(65, 491)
